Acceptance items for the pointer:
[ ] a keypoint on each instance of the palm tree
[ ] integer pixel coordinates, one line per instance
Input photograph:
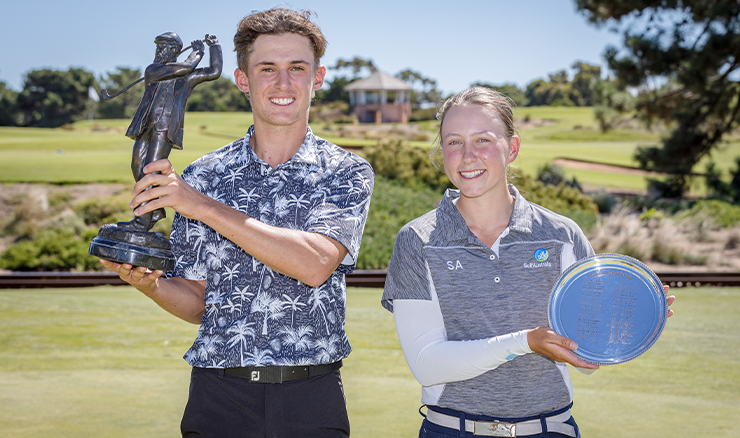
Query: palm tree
(249, 195)
(298, 202)
(318, 294)
(299, 338)
(294, 304)
(327, 347)
(199, 231)
(242, 332)
(258, 358)
(270, 307)
(208, 346)
(231, 273)
(281, 206)
(242, 293)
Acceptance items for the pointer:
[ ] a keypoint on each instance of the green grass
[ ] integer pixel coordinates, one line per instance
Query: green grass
(106, 362)
(104, 153)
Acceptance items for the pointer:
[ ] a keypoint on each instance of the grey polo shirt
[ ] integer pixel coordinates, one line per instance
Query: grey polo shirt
(484, 293)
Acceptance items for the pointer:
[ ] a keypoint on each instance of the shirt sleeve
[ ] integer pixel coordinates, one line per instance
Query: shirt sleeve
(408, 274)
(342, 212)
(434, 360)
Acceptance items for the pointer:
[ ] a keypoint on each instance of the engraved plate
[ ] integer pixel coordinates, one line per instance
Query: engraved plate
(484, 428)
(612, 305)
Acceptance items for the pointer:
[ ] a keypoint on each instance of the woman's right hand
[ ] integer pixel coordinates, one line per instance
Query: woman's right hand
(544, 341)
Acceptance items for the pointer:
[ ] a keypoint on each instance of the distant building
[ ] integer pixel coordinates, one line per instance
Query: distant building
(380, 98)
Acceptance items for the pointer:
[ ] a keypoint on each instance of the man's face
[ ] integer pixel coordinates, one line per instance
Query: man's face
(281, 77)
(165, 52)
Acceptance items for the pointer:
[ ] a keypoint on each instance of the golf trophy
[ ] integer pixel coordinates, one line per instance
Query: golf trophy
(157, 128)
(612, 305)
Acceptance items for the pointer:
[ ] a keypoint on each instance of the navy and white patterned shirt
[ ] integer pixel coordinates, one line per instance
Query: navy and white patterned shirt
(253, 315)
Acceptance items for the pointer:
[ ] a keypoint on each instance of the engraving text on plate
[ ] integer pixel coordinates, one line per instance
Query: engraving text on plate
(623, 313)
(589, 310)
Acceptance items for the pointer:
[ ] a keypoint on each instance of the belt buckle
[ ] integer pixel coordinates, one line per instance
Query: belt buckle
(485, 428)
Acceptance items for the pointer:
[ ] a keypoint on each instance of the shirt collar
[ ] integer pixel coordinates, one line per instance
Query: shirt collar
(453, 225)
(307, 153)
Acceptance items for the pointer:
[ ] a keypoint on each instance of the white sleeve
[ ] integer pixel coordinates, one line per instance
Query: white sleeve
(434, 360)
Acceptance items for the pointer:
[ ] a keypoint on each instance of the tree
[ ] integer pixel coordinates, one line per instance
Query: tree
(8, 106)
(611, 103)
(691, 49)
(52, 98)
(124, 105)
(356, 64)
(335, 92)
(516, 94)
(583, 82)
(218, 95)
(424, 90)
(556, 92)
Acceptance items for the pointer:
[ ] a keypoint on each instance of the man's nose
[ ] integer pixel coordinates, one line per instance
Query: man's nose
(283, 79)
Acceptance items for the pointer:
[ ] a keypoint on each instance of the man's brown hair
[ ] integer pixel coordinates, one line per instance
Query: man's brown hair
(276, 21)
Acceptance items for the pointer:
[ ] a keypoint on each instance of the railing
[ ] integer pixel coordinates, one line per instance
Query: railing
(359, 278)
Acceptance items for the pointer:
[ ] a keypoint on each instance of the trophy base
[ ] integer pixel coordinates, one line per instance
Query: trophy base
(138, 248)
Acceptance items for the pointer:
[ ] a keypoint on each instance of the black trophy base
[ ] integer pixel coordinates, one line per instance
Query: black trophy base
(139, 248)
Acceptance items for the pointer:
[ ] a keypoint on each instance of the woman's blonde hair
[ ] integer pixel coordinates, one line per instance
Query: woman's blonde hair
(483, 96)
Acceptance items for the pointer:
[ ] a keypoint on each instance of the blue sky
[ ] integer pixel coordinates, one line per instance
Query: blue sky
(455, 42)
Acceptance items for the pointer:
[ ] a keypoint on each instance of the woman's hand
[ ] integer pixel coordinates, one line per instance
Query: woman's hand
(544, 341)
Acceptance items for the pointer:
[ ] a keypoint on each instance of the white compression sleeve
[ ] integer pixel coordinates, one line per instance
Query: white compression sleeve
(434, 360)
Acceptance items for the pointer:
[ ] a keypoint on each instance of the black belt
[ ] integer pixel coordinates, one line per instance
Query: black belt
(282, 374)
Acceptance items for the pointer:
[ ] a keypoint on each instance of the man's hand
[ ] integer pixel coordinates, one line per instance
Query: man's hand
(139, 277)
(211, 40)
(546, 342)
(170, 191)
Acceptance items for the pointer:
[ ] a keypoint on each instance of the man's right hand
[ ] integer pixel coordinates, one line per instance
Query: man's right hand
(137, 276)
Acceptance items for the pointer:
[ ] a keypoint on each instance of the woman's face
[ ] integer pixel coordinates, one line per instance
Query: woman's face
(476, 150)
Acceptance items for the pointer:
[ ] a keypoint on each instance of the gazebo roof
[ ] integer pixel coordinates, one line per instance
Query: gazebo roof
(378, 81)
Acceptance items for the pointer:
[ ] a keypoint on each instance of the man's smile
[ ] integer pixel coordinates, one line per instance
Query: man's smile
(283, 101)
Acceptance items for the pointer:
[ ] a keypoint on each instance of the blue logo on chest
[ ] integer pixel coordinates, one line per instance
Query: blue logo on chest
(541, 255)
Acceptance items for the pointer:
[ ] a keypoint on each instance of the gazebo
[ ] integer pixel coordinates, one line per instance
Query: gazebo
(380, 98)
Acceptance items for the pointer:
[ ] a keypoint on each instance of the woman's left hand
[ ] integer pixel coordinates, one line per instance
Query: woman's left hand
(670, 299)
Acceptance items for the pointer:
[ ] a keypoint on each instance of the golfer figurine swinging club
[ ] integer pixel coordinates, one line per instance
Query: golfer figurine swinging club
(156, 128)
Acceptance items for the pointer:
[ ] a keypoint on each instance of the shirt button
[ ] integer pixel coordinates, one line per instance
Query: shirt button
(493, 257)
(496, 280)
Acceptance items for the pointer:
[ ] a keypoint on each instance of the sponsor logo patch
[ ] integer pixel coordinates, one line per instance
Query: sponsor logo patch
(541, 255)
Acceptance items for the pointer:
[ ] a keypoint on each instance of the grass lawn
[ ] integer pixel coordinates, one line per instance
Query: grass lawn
(100, 152)
(106, 362)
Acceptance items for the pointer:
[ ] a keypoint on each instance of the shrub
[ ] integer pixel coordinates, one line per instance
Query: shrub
(410, 166)
(724, 214)
(52, 250)
(391, 208)
(101, 211)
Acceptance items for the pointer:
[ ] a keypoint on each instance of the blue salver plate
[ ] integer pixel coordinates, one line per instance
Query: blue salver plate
(612, 305)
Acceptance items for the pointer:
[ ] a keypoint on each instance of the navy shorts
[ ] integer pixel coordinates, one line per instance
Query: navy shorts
(225, 406)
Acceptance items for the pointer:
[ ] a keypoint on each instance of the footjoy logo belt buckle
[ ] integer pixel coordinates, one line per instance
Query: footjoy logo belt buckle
(255, 377)
(485, 428)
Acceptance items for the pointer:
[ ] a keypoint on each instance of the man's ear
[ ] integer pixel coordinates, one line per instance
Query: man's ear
(241, 80)
(319, 79)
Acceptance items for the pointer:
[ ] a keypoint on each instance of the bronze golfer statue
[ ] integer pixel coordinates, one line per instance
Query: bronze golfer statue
(156, 128)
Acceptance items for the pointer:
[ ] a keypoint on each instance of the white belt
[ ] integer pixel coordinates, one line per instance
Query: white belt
(555, 423)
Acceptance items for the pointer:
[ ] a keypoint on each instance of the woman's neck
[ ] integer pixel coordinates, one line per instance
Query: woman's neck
(487, 217)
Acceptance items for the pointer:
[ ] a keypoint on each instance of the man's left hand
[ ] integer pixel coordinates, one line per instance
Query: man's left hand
(169, 190)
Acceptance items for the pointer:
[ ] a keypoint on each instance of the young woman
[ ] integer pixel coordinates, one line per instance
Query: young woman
(469, 282)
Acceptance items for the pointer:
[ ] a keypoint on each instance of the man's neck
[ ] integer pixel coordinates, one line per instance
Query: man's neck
(277, 144)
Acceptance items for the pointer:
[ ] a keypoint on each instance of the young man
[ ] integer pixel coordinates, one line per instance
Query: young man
(266, 228)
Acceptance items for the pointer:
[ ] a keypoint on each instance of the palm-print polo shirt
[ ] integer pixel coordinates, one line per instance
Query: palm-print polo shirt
(484, 293)
(253, 315)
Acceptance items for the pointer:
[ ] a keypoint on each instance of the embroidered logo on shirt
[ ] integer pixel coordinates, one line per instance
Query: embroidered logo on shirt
(541, 255)
(454, 266)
